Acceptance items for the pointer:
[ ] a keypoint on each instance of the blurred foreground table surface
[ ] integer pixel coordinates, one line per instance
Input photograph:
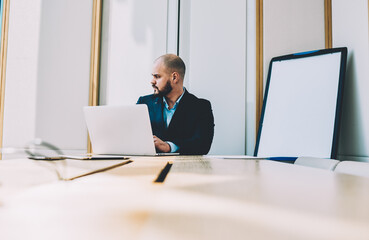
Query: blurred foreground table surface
(202, 197)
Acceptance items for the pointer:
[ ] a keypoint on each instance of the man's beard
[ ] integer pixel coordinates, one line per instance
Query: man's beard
(162, 93)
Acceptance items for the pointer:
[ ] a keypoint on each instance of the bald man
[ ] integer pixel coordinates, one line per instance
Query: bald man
(180, 121)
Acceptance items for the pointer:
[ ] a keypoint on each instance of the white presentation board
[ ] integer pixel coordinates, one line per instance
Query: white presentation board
(302, 104)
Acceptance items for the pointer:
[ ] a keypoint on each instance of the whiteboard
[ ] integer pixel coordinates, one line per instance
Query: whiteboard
(302, 105)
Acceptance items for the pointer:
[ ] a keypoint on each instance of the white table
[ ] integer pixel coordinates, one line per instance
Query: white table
(201, 198)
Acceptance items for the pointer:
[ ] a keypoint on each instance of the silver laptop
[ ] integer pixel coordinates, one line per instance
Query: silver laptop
(122, 130)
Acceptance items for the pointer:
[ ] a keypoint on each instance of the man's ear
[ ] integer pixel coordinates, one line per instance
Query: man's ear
(175, 76)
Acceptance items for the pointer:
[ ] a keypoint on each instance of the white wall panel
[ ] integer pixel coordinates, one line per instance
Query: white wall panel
(350, 29)
(213, 45)
(250, 78)
(172, 26)
(21, 73)
(63, 72)
(134, 34)
(292, 26)
(48, 70)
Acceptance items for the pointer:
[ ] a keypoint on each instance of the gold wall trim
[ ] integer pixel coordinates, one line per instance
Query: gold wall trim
(95, 59)
(3, 56)
(259, 61)
(328, 23)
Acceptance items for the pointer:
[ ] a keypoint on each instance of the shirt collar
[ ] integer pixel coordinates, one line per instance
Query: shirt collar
(177, 102)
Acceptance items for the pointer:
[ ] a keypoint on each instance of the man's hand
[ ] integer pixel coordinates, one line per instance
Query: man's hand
(160, 145)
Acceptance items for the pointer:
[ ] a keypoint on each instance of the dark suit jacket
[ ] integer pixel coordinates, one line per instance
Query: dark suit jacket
(192, 125)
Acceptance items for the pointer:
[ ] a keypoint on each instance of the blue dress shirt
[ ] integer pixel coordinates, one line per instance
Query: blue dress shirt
(168, 115)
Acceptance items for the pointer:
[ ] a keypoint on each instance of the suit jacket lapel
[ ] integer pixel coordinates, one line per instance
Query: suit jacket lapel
(158, 111)
(179, 113)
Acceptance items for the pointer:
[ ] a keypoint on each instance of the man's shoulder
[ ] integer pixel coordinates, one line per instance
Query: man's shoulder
(197, 104)
(193, 99)
(147, 98)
